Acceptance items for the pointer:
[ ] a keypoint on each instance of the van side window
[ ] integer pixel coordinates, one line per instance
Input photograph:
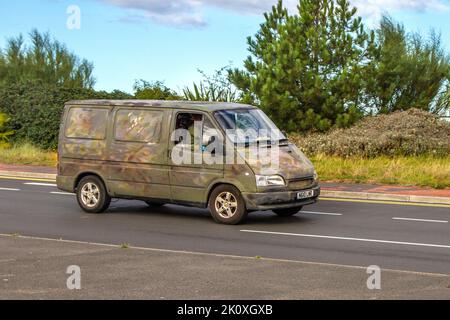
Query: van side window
(87, 123)
(138, 125)
(186, 121)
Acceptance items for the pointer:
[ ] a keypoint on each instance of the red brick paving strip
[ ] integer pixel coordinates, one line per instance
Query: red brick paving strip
(33, 169)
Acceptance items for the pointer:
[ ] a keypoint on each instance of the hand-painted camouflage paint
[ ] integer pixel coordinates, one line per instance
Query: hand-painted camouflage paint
(87, 123)
(292, 163)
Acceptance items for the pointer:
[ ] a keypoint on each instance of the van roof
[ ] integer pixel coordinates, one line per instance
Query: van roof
(191, 105)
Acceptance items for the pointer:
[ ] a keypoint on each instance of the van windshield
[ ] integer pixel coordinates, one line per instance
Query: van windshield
(249, 126)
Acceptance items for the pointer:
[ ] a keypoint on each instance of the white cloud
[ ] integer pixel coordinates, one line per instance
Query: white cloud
(166, 12)
(375, 8)
(189, 12)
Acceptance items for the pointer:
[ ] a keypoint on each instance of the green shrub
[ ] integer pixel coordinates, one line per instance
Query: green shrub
(407, 133)
(35, 109)
(4, 134)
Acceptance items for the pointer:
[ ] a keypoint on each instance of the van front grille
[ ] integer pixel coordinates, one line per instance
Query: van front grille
(300, 184)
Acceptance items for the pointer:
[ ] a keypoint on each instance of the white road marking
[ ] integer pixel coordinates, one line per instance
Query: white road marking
(349, 239)
(322, 213)
(9, 189)
(7, 260)
(40, 184)
(420, 220)
(63, 193)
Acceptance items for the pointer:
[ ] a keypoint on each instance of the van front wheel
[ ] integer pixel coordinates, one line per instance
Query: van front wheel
(227, 205)
(92, 195)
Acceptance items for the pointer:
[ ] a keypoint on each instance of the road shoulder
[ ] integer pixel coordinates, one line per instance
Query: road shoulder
(32, 268)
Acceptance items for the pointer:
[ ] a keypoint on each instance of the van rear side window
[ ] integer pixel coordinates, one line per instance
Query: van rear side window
(138, 125)
(87, 123)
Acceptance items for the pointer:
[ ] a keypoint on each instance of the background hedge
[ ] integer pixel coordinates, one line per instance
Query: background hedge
(35, 109)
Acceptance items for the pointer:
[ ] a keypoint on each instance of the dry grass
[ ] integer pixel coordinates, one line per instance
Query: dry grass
(27, 154)
(424, 171)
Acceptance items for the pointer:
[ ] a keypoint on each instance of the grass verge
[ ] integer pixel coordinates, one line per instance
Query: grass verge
(422, 171)
(27, 154)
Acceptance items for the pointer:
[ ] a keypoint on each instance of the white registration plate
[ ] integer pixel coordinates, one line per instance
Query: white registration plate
(305, 194)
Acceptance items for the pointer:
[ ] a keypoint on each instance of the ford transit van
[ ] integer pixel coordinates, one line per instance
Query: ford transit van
(227, 157)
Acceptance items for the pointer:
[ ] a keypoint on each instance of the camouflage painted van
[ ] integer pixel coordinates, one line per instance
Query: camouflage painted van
(227, 157)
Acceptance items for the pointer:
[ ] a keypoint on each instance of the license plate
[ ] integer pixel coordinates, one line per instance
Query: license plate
(305, 194)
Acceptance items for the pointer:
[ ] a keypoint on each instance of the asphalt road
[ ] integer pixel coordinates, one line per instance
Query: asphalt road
(392, 236)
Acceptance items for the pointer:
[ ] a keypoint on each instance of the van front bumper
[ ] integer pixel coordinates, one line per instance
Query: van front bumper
(278, 200)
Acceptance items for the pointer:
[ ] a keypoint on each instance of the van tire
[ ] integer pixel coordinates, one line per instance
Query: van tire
(97, 187)
(235, 205)
(287, 212)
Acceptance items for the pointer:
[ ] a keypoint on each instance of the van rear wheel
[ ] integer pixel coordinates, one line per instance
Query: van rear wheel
(227, 205)
(287, 212)
(92, 195)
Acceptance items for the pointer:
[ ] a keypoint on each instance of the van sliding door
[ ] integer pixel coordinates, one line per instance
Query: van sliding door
(138, 153)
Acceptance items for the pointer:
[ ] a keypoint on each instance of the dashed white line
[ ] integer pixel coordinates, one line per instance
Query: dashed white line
(322, 213)
(9, 189)
(420, 220)
(350, 239)
(40, 184)
(62, 193)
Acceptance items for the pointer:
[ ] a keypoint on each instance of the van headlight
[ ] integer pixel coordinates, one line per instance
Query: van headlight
(267, 181)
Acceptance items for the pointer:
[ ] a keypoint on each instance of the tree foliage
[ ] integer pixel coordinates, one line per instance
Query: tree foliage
(215, 87)
(307, 70)
(156, 90)
(319, 68)
(407, 71)
(442, 106)
(44, 59)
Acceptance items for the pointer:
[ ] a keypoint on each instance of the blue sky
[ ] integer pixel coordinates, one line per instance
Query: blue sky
(168, 40)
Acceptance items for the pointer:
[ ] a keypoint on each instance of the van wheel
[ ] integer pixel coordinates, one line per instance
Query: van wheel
(287, 212)
(92, 195)
(227, 205)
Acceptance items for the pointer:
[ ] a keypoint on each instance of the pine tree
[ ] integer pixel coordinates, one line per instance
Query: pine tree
(43, 59)
(407, 71)
(306, 70)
